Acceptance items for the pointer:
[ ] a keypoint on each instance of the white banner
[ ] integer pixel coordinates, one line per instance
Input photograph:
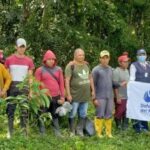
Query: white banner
(138, 103)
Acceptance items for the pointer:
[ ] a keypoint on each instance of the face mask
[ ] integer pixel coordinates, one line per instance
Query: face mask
(141, 58)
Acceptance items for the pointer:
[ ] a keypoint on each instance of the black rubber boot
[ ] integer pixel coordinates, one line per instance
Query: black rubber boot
(10, 127)
(56, 128)
(72, 126)
(80, 127)
(118, 123)
(41, 127)
(24, 121)
(125, 123)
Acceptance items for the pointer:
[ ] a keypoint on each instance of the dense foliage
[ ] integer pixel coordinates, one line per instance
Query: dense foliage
(116, 25)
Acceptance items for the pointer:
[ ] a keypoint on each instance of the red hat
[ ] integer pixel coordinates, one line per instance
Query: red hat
(123, 58)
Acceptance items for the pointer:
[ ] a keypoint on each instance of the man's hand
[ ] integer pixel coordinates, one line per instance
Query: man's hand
(96, 103)
(2, 93)
(123, 84)
(60, 101)
(69, 98)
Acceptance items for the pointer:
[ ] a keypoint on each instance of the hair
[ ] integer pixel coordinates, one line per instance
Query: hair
(125, 53)
(77, 50)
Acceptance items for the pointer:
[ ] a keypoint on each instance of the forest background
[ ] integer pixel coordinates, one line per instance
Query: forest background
(63, 26)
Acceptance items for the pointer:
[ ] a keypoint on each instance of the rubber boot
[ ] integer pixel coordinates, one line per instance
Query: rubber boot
(98, 123)
(56, 128)
(80, 127)
(24, 121)
(125, 123)
(41, 127)
(108, 125)
(10, 127)
(72, 126)
(118, 123)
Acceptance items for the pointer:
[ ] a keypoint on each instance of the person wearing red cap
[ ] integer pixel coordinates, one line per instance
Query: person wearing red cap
(52, 79)
(121, 74)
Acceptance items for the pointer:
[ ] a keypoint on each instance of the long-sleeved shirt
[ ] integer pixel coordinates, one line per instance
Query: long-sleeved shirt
(5, 78)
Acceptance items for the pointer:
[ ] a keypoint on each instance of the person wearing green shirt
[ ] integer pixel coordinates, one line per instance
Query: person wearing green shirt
(79, 88)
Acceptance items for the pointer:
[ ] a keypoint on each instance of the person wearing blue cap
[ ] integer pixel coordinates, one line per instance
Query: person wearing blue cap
(140, 71)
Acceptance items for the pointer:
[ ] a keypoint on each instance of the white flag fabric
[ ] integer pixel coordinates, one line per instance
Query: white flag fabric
(138, 103)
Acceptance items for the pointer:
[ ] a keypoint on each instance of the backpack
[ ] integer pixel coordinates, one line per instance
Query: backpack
(89, 127)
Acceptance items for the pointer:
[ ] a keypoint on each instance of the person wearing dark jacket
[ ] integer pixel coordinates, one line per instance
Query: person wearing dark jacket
(140, 71)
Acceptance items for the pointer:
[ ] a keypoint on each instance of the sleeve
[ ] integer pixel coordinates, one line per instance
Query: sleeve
(95, 76)
(116, 83)
(132, 72)
(116, 75)
(7, 78)
(31, 65)
(38, 74)
(68, 71)
(61, 83)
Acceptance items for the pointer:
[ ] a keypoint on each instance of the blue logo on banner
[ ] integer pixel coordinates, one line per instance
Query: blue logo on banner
(147, 96)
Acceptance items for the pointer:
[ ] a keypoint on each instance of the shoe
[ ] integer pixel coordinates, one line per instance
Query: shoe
(80, 127)
(72, 126)
(56, 128)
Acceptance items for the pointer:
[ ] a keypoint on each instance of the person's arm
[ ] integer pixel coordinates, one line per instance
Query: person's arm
(7, 81)
(30, 74)
(68, 75)
(92, 86)
(116, 80)
(132, 72)
(62, 88)
(118, 99)
(95, 79)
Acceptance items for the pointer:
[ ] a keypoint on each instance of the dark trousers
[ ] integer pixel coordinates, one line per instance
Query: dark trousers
(14, 91)
(139, 126)
(52, 109)
(53, 106)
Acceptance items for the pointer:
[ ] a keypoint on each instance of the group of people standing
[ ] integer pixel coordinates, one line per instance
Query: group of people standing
(103, 85)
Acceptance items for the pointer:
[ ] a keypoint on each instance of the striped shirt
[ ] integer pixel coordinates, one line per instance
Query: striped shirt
(19, 67)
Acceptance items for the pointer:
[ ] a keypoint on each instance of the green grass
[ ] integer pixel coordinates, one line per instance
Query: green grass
(127, 140)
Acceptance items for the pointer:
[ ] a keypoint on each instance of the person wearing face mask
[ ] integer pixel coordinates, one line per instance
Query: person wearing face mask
(140, 71)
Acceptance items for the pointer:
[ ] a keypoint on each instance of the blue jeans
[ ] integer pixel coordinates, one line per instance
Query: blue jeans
(80, 107)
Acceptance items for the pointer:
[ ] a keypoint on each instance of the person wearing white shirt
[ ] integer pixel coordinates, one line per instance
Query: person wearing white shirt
(140, 71)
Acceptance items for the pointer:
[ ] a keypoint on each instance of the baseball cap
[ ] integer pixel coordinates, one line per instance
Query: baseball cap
(104, 53)
(141, 51)
(21, 42)
(123, 58)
